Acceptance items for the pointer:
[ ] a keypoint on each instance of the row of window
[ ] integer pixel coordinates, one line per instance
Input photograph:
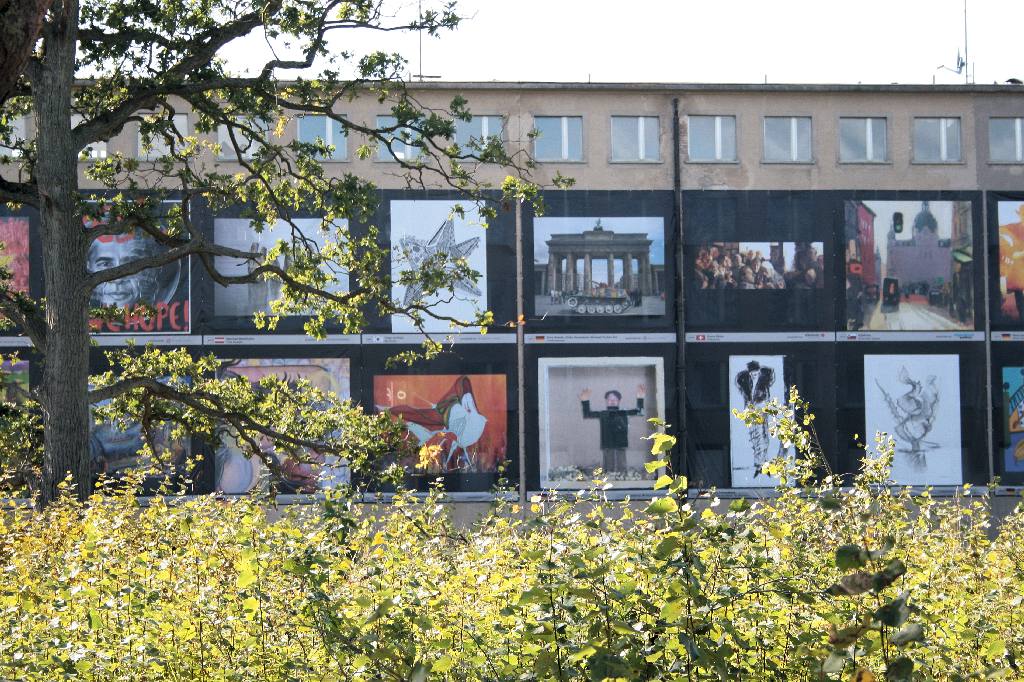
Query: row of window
(711, 139)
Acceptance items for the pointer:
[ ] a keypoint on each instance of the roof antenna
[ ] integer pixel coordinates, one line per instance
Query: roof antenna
(961, 62)
(419, 19)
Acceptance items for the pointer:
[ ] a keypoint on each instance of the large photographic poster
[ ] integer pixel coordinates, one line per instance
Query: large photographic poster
(594, 415)
(599, 266)
(754, 381)
(909, 265)
(760, 266)
(245, 300)
(454, 423)
(916, 400)
(1013, 419)
(427, 230)
(1010, 215)
(235, 473)
(14, 231)
(157, 300)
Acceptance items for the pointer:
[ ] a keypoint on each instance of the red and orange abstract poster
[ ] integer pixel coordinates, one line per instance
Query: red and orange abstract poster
(14, 255)
(459, 421)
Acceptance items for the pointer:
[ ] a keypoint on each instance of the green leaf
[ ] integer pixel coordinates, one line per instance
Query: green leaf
(895, 613)
(419, 672)
(888, 575)
(850, 556)
(662, 505)
(671, 609)
(654, 466)
(740, 505)
(667, 547)
(245, 578)
(663, 442)
(95, 623)
(913, 632)
(662, 482)
(900, 670)
(443, 664)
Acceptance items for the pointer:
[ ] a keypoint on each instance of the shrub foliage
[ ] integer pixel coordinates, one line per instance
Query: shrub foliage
(863, 583)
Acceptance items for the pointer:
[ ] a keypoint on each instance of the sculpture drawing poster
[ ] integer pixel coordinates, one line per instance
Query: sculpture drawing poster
(1013, 418)
(1011, 259)
(455, 423)
(754, 381)
(237, 473)
(425, 233)
(909, 265)
(760, 266)
(599, 266)
(594, 417)
(916, 400)
(247, 299)
(14, 255)
(154, 300)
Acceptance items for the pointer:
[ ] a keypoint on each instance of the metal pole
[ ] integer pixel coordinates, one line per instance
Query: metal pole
(521, 354)
(677, 209)
(988, 335)
(967, 63)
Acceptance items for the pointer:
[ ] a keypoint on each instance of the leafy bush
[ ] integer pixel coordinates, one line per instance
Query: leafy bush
(818, 583)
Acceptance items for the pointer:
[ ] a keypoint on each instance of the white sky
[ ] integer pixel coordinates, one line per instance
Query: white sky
(733, 41)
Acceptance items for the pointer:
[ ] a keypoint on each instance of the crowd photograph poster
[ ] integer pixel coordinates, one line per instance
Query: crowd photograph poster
(1013, 418)
(760, 265)
(916, 400)
(429, 231)
(594, 416)
(235, 473)
(454, 423)
(754, 381)
(909, 265)
(155, 300)
(14, 255)
(1011, 259)
(245, 300)
(599, 266)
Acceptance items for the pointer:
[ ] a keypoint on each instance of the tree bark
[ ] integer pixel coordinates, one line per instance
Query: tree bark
(19, 27)
(63, 394)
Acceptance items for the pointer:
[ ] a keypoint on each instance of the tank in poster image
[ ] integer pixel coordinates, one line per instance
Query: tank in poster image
(296, 238)
(594, 415)
(909, 265)
(916, 400)
(235, 473)
(433, 231)
(599, 266)
(454, 423)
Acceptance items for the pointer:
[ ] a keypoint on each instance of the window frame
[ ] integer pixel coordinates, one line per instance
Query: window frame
(641, 144)
(1018, 141)
(151, 155)
(20, 130)
(794, 137)
(565, 139)
(718, 138)
(340, 150)
(869, 143)
(943, 144)
(251, 150)
(500, 134)
(384, 155)
(94, 151)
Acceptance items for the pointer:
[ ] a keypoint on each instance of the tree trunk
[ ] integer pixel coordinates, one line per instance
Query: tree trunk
(63, 393)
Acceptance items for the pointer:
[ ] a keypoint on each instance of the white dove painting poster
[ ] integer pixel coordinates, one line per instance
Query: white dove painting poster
(754, 380)
(916, 400)
(423, 229)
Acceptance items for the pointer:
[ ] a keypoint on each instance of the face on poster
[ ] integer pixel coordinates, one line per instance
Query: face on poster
(594, 415)
(456, 422)
(424, 231)
(237, 474)
(909, 265)
(14, 256)
(599, 266)
(754, 381)
(1013, 418)
(244, 300)
(760, 265)
(1011, 258)
(165, 289)
(916, 400)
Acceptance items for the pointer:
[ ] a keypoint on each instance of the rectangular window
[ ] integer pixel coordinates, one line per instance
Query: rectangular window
(477, 130)
(95, 150)
(635, 138)
(158, 145)
(247, 147)
(16, 135)
(559, 138)
(936, 140)
(862, 140)
(328, 131)
(787, 139)
(1006, 140)
(402, 142)
(711, 138)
